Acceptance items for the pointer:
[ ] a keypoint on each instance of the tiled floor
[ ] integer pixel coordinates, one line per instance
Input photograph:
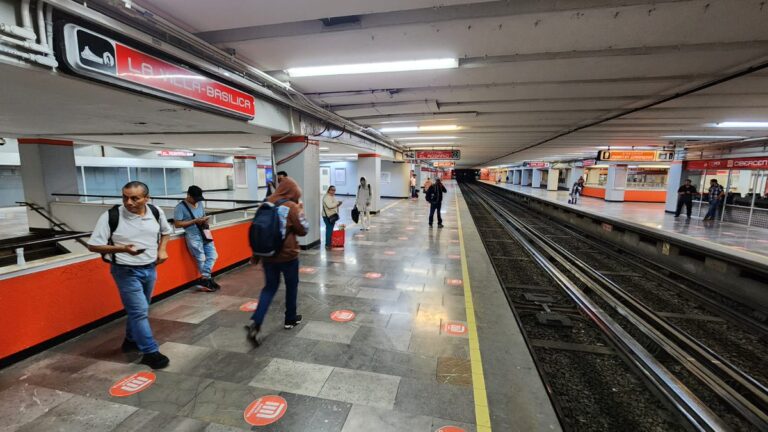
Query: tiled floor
(737, 238)
(392, 368)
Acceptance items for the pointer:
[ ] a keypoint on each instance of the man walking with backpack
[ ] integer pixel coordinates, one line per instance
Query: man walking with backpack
(435, 198)
(273, 237)
(133, 239)
(190, 215)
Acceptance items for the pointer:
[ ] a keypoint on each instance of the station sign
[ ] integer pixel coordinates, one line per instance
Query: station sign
(99, 57)
(740, 163)
(174, 153)
(433, 154)
(635, 155)
(536, 164)
(444, 164)
(587, 163)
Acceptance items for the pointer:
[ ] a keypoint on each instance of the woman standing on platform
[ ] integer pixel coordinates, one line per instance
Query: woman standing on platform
(363, 203)
(330, 213)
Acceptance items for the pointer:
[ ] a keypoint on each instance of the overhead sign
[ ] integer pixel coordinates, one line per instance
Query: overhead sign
(635, 155)
(444, 164)
(587, 163)
(433, 154)
(176, 153)
(741, 163)
(96, 56)
(536, 164)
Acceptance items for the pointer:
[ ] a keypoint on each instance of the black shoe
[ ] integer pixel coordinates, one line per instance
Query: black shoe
(440, 226)
(129, 346)
(214, 285)
(155, 360)
(430, 225)
(294, 323)
(206, 286)
(677, 216)
(253, 332)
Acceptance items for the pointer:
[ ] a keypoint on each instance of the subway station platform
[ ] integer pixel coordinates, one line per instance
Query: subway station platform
(739, 241)
(433, 343)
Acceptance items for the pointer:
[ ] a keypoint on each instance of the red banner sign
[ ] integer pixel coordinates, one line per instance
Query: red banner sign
(538, 164)
(634, 155)
(99, 57)
(433, 154)
(587, 163)
(177, 153)
(742, 163)
(445, 164)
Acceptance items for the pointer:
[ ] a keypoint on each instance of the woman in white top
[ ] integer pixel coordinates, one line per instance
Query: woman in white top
(330, 213)
(363, 203)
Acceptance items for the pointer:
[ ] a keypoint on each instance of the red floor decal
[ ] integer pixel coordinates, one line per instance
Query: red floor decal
(373, 275)
(454, 256)
(450, 429)
(402, 238)
(410, 228)
(249, 306)
(390, 253)
(265, 410)
(455, 328)
(454, 282)
(343, 315)
(133, 384)
(307, 270)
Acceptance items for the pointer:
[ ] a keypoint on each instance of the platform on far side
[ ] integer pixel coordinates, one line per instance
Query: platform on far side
(409, 360)
(724, 238)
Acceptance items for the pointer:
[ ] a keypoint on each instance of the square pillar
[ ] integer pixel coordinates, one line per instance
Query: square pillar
(616, 183)
(516, 177)
(536, 178)
(525, 177)
(552, 178)
(299, 157)
(369, 166)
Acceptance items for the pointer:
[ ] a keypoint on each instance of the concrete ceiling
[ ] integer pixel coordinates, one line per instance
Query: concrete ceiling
(530, 70)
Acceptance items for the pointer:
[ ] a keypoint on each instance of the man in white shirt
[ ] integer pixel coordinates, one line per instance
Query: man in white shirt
(134, 247)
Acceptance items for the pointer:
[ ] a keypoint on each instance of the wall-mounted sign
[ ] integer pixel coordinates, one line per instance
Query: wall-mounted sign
(91, 54)
(536, 164)
(444, 164)
(635, 155)
(741, 163)
(587, 163)
(433, 154)
(175, 153)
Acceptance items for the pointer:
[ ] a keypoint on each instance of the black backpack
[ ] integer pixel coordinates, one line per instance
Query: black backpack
(114, 221)
(264, 234)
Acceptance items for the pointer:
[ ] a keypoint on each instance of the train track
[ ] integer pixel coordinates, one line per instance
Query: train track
(706, 390)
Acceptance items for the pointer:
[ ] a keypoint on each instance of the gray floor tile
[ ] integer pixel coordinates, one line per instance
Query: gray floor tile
(379, 294)
(383, 338)
(366, 418)
(81, 414)
(404, 364)
(436, 400)
(223, 403)
(185, 313)
(365, 388)
(330, 332)
(23, 403)
(183, 357)
(147, 420)
(439, 346)
(228, 339)
(307, 413)
(292, 376)
(169, 394)
(43, 368)
(229, 366)
(342, 355)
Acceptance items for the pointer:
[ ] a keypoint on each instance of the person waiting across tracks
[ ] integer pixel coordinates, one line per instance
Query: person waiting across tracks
(716, 195)
(685, 198)
(413, 186)
(330, 213)
(133, 238)
(576, 190)
(190, 215)
(292, 223)
(435, 198)
(363, 204)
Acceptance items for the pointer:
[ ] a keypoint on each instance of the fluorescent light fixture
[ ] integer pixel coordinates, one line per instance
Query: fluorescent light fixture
(362, 68)
(432, 128)
(399, 129)
(703, 137)
(742, 124)
(427, 138)
(324, 148)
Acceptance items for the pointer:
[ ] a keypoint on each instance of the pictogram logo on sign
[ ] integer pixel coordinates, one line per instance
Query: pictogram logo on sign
(455, 328)
(450, 429)
(265, 410)
(373, 275)
(308, 270)
(454, 282)
(132, 384)
(249, 306)
(343, 315)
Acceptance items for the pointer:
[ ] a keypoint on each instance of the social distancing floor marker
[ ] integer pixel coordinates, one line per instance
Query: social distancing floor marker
(402, 238)
(372, 275)
(265, 410)
(390, 253)
(249, 306)
(482, 413)
(132, 384)
(454, 282)
(343, 315)
(307, 270)
(455, 328)
(454, 257)
(450, 429)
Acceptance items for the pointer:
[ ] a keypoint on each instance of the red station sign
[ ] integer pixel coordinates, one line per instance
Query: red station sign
(433, 154)
(97, 56)
(741, 163)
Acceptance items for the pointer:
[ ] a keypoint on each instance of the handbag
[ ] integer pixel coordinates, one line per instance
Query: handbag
(355, 214)
(333, 218)
(205, 229)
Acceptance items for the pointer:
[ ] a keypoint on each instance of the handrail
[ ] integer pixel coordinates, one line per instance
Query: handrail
(236, 201)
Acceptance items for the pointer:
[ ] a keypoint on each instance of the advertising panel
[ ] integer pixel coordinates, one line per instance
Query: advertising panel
(741, 163)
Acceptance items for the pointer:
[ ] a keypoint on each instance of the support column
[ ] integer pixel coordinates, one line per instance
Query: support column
(675, 179)
(47, 167)
(536, 178)
(369, 166)
(552, 178)
(574, 176)
(300, 158)
(525, 177)
(616, 183)
(516, 177)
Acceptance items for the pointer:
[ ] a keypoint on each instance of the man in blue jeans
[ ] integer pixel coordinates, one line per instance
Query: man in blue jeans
(716, 195)
(190, 215)
(133, 239)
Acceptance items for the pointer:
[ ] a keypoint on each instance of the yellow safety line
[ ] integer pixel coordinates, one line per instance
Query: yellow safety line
(482, 414)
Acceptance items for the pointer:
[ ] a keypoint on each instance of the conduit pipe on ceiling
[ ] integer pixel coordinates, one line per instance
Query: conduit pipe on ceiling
(41, 27)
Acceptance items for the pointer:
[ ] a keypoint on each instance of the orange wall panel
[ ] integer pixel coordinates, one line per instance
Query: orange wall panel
(593, 192)
(645, 196)
(46, 304)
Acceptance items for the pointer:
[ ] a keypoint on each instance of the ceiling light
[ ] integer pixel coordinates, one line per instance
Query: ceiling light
(429, 144)
(324, 148)
(361, 68)
(427, 138)
(703, 137)
(432, 128)
(399, 129)
(742, 125)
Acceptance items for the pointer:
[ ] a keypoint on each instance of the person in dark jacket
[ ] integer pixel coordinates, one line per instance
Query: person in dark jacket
(435, 198)
(685, 198)
(292, 224)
